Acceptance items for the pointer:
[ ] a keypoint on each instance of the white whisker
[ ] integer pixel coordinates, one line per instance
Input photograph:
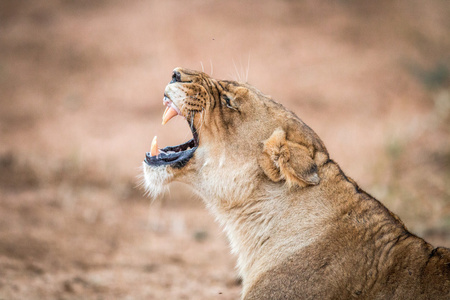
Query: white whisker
(203, 69)
(201, 121)
(236, 70)
(242, 68)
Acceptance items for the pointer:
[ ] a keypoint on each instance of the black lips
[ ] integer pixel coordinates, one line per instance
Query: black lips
(175, 156)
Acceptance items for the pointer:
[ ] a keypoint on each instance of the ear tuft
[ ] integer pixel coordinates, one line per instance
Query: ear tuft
(285, 160)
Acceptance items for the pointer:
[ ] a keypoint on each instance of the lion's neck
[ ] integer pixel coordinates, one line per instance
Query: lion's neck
(257, 231)
(257, 213)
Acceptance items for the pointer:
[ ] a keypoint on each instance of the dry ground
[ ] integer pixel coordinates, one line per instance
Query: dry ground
(81, 85)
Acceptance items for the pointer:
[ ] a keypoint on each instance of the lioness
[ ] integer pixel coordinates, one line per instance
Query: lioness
(301, 228)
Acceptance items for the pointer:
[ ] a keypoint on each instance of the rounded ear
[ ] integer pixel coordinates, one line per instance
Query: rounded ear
(285, 160)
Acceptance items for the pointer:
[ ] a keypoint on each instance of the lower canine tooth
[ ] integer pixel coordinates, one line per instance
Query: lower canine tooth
(154, 148)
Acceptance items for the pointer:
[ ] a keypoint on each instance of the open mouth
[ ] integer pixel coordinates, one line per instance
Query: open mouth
(175, 156)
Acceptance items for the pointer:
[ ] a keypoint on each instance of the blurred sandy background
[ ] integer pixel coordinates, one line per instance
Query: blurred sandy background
(81, 87)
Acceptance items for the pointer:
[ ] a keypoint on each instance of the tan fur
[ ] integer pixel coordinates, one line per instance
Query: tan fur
(301, 228)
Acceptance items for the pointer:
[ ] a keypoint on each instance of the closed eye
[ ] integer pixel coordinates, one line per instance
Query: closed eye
(227, 100)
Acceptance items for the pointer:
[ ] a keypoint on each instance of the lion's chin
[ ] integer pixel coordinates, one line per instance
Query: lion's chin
(156, 179)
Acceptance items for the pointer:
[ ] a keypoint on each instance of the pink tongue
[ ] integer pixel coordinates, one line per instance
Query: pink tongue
(169, 113)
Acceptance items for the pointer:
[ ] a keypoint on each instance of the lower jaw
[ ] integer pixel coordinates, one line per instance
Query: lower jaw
(175, 156)
(177, 161)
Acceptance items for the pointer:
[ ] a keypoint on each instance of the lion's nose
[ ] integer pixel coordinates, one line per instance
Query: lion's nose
(176, 77)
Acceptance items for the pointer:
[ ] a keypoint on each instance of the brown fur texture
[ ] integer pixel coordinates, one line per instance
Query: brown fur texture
(301, 228)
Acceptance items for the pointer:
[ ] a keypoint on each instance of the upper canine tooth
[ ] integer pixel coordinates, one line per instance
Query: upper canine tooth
(154, 148)
(169, 113)
(165, 111)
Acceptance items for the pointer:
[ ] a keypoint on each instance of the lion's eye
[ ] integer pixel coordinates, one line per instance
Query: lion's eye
(227, 100)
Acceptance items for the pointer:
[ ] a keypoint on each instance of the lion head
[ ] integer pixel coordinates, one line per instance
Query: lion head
(241, 139)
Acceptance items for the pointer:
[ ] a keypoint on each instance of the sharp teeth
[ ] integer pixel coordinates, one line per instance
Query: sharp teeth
(165, 111)
(169, 113)
(154, 148)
